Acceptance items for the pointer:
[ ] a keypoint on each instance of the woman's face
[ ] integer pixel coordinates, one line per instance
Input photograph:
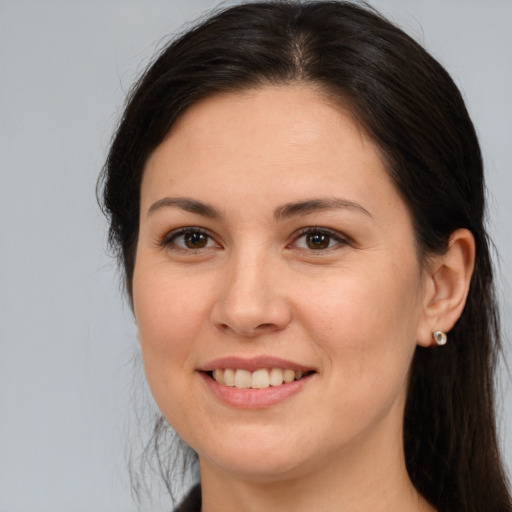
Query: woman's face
(272, 241)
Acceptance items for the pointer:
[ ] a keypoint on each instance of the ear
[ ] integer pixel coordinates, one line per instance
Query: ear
(446, 286)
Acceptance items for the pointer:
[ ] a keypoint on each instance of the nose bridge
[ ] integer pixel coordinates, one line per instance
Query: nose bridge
(252, 299)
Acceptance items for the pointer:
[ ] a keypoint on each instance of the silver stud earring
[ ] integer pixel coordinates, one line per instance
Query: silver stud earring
(439, 337)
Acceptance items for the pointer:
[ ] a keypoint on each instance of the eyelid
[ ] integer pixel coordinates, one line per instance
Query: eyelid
(340, 238)
(167, 240)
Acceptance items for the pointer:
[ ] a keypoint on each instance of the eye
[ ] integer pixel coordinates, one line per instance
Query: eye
(189, 239)
(318, 239)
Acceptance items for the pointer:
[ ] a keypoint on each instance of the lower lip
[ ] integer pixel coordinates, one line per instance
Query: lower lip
(254, 398)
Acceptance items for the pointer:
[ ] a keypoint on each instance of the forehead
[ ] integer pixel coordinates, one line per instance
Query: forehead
(300, 108)
(264, 126)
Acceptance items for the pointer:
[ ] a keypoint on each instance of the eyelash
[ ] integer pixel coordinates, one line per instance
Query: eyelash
(335, 236)
(169, 241)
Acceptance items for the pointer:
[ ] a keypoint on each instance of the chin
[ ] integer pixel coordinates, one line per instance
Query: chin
(257, 465)
(265, 454)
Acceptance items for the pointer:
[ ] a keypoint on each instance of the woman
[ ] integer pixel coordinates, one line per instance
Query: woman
(296, 194)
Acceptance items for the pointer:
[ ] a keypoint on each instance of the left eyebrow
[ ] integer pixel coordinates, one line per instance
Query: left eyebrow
(314, 205)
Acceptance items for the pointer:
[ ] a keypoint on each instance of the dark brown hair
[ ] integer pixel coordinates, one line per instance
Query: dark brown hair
(409, 105)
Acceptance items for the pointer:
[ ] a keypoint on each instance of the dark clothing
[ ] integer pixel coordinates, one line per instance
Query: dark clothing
(192, 503)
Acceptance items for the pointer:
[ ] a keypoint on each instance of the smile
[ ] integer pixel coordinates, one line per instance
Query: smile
(259, 379)
(256, 382)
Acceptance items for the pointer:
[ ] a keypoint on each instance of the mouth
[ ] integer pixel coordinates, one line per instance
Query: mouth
(261, 378)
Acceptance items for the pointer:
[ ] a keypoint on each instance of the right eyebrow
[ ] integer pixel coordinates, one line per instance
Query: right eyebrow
(187, 204)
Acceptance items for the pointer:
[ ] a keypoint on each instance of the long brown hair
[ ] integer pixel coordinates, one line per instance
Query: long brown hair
(409, 105)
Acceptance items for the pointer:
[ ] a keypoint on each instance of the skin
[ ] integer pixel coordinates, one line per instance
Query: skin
(353, 311)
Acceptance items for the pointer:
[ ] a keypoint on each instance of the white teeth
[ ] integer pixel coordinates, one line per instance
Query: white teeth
(276, 377)
(229, 377)
(218, 376)
(259, 379)
(242, 379)
(289, 376)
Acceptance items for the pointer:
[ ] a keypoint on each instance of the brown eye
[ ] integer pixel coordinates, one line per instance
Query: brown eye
(195, 240)
(189, 239)
(318, 241)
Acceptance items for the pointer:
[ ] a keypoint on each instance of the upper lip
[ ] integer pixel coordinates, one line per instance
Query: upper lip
(252, 364)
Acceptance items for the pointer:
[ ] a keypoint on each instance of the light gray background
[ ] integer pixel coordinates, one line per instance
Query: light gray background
(67, 340)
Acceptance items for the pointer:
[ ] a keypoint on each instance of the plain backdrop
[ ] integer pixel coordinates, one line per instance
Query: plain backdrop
(67, 338)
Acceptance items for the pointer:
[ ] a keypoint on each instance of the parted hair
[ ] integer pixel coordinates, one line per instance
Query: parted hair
(412, 110)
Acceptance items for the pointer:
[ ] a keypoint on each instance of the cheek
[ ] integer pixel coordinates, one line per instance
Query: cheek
(366, 326)
(170, 314)
(168, 308)
(353, 303)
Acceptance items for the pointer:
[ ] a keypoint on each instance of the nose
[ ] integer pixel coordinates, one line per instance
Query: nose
(252, 298)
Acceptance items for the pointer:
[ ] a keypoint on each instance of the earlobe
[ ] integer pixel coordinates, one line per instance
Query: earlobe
(447, 287)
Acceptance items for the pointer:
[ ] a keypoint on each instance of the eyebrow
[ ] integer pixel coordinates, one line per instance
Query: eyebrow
(187, 204)
(281, 213)
(314, 205)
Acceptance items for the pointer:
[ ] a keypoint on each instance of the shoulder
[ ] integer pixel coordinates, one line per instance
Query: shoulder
(192, 502)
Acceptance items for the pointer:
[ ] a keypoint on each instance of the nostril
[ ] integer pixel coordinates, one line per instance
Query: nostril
(265, 326)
